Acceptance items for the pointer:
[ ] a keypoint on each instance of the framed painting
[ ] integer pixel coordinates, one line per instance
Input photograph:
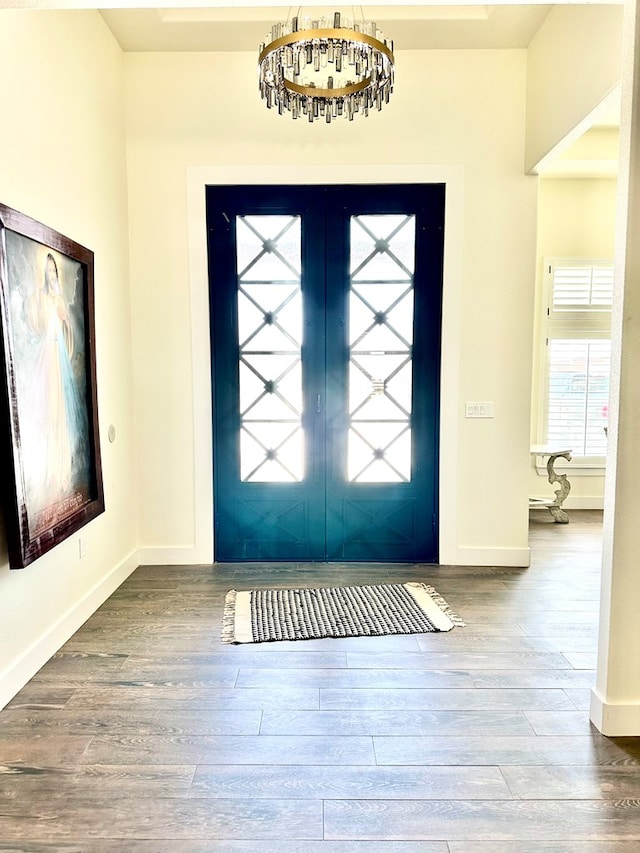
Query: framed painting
(53, 483)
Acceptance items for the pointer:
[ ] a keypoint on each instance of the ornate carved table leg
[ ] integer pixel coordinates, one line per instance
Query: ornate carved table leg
(556, 510)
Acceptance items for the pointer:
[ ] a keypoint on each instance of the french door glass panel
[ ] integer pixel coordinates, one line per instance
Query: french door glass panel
(270, 343)
(382, 262)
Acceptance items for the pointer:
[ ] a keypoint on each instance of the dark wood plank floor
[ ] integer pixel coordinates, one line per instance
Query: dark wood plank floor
(145, 733)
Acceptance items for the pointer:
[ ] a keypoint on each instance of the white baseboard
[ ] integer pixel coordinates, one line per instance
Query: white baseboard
(462, 556)
(184, 556)
(614, 720)
(14, 677)
(578, 502)
(584, 502)
(507, 557)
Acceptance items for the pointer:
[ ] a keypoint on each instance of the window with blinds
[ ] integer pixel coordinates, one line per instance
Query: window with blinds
(578, 355)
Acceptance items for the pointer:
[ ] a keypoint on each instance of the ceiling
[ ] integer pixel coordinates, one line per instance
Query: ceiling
(412, 27)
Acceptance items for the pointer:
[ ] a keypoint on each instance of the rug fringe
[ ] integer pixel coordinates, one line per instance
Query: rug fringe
(229, 617)
(442, 604)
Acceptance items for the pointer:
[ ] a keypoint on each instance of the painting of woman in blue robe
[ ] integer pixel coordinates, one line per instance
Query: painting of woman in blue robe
(51, 384)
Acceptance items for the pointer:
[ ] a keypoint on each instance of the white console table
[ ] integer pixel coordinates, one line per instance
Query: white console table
(553, 505)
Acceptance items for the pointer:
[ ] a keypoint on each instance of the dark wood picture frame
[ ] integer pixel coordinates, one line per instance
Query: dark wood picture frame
(53, 483)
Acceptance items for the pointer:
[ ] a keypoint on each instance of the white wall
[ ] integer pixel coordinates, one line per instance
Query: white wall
(574, 65)
(576, 219)
(459, 115)
(62, 162)
(615, 701)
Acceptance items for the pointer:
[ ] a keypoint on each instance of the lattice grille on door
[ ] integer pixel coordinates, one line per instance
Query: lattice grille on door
(270, 343)
(380, 348)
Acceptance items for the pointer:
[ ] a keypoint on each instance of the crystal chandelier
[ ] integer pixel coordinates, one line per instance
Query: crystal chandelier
(325, 68)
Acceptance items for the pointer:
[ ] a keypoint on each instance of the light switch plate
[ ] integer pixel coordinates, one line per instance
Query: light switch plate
(483, 409)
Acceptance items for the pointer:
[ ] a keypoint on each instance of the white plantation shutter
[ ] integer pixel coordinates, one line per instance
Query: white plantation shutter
(578, 354)
(581, 288)
(578, 381)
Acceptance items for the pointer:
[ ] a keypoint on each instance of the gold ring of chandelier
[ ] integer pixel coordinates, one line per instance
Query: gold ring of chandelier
(304, 36)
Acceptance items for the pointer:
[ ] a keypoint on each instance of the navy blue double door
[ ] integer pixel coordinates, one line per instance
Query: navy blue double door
(326, 328)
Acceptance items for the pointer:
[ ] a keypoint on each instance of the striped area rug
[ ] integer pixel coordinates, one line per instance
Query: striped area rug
(265, 615)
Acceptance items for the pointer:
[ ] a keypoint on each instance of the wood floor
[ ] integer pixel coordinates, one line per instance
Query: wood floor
(146, 734)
